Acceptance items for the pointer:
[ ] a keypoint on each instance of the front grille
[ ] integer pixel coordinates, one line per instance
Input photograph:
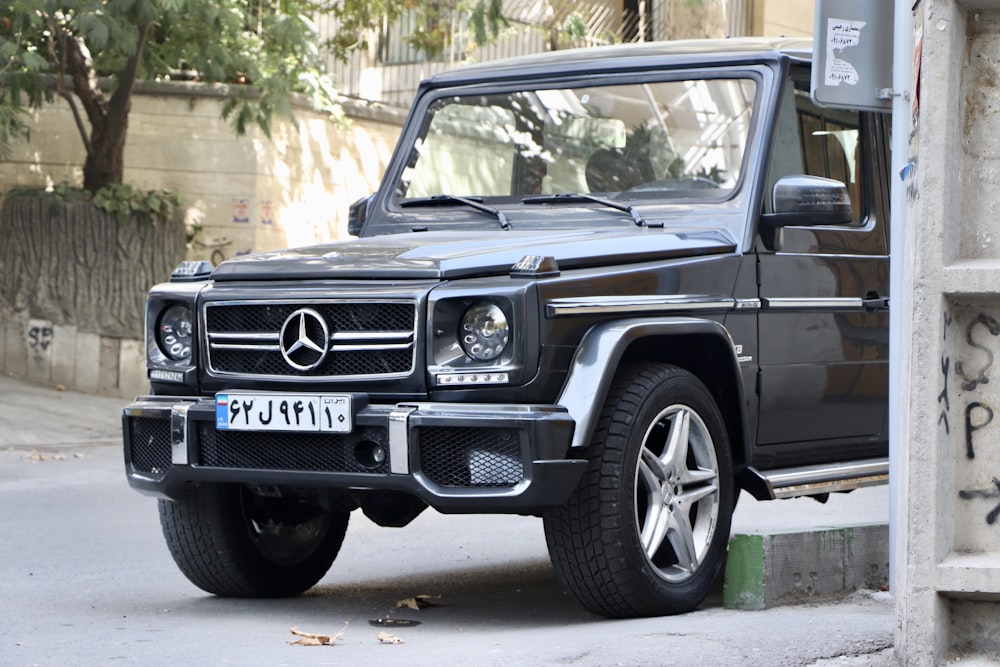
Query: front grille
(366, 339)
(476, 457)
(149, 444)
(306, 452)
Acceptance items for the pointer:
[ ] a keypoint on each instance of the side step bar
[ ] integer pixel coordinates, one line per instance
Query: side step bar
(815, 479)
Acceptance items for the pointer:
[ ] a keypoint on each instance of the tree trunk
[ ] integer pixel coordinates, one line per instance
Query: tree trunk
(77, 266)
(105, 163)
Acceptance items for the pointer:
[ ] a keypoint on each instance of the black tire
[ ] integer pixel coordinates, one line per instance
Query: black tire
(596, 541)
(231, 542)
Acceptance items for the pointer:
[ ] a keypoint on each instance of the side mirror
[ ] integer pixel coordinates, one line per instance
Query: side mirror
(805, 201)
(357, 214)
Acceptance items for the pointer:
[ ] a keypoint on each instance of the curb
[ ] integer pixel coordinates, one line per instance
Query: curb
(767, 570)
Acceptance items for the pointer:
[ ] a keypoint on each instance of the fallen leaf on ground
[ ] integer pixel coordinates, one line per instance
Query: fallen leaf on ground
(418, 602)
(390, 622)
(313, 639)
(386, 638)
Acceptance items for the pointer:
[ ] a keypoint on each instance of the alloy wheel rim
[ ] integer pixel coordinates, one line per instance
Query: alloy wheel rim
(676, 493)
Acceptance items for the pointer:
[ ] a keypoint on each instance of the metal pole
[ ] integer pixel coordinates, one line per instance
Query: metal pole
(901, 292)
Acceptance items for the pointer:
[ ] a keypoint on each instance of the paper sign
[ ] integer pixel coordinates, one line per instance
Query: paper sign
(841, 34)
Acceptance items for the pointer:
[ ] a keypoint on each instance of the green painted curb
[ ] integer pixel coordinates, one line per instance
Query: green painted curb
(766, 570)
(744, 586)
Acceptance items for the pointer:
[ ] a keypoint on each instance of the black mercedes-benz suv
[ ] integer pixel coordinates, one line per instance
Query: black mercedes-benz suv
(607, 287)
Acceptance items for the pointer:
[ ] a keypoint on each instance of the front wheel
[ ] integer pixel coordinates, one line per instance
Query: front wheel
(233, 542)
(645, 532)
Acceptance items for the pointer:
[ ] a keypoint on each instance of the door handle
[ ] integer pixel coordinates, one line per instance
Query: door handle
(873, 303)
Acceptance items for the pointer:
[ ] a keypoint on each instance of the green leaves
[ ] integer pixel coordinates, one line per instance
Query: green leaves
(487, 20)
(266, 51)
(147, 207)
(127, 203)
(95, 30)
(33, 62)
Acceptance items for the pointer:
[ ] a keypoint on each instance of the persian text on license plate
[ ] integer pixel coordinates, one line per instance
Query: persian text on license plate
(283, 412)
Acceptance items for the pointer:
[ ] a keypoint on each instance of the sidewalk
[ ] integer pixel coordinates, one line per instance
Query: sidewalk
(45, 418)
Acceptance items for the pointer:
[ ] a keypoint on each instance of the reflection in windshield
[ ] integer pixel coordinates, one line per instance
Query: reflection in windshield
(661, 140)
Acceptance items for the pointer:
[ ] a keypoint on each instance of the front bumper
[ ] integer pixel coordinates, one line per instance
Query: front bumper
(458, 458)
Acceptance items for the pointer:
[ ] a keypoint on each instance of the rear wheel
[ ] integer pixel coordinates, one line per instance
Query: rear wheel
(645, 532)
(231, 541)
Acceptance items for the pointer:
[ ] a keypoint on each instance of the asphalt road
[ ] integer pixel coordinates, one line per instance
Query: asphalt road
(87, 580)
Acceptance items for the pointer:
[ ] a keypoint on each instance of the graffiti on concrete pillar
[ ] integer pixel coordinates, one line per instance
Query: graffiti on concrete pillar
(971, 427)
(970, 494)
(974, 378)
(973, 372)
(943, 396)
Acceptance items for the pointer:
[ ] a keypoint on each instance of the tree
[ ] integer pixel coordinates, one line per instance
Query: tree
(91, 53)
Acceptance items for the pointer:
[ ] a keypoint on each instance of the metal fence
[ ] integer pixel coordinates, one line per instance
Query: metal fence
(390, 70)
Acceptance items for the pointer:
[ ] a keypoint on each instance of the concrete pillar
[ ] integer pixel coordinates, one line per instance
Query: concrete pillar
(946, 574)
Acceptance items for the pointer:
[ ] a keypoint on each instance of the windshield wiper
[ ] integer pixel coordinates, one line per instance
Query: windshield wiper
(571, 197)
(455, 199)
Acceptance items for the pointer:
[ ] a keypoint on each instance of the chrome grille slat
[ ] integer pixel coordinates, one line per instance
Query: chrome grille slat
(242, 336)
(359, 348)
(371, 335)
(367, 340)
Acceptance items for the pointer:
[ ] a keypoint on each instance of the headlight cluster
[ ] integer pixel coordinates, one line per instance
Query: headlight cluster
(476, 338)
(484, 331)
(173, 333)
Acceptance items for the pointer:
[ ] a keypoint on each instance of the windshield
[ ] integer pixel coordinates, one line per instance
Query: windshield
(661, 140)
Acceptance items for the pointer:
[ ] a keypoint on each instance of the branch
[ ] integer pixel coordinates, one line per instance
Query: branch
(81, 128)
(121, 99)
(81, 70)
(57, 57)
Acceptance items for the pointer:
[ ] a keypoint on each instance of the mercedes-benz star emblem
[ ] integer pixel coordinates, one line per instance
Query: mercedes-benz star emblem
(304, 339)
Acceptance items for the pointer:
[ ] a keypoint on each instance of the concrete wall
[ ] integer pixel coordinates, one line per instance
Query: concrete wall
(782, 18)
(246, 194)
(947, 578)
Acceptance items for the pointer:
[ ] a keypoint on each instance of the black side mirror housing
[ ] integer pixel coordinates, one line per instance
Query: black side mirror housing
(805, 201)
(357, 214)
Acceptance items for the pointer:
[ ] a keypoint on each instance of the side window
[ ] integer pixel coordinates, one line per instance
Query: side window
(818, 142)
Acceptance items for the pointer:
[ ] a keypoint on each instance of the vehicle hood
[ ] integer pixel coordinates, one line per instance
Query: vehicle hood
(452, 255)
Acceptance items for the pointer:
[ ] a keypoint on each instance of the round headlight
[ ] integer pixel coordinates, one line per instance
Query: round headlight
(484, 331)
(173, 333)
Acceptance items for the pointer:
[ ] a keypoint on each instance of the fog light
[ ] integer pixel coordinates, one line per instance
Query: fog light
(369, 454)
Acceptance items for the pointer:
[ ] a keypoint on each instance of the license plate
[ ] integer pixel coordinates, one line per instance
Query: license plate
(283, 412)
